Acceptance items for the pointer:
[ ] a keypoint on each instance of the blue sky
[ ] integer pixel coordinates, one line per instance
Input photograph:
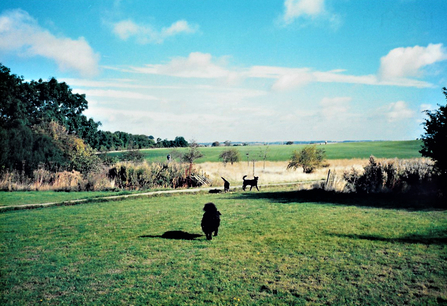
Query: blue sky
(239, 70)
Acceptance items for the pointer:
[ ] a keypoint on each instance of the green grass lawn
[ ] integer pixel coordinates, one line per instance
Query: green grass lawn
(275, 247)
(39, 197)
(380, 149)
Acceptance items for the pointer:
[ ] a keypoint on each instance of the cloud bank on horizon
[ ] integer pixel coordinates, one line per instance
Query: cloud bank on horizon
(300, 70)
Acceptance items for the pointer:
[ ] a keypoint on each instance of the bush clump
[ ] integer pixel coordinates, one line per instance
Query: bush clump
(144, 175)
(309, 158)
(230, 156)
(130, 175)
(400, 176)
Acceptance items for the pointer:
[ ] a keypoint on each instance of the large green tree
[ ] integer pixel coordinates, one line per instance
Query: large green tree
(24, 106)
(37, 101)
(435, 139)
(23, 149)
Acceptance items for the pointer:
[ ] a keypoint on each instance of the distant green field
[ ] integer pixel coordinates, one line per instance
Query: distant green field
(279, 247)
(380, 149)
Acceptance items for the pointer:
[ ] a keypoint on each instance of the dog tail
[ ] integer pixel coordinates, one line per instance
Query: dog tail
(244, 177)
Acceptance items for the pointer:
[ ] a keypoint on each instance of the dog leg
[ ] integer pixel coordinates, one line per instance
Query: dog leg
(215, 232)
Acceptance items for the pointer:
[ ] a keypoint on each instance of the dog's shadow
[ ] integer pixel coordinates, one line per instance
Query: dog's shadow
(179, 235)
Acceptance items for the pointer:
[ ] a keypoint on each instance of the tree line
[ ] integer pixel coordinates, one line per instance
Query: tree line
(42, 123)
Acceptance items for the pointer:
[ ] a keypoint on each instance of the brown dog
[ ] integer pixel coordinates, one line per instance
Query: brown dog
(252, 183)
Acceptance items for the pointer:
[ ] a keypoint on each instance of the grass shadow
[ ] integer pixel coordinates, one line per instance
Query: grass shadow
(437, 237)
(178, 235)
(391, 201)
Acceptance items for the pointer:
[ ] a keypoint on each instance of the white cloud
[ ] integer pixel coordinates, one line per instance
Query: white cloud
(180, 26)
(398, 111)
(335, 108)
(309, 12)
(146, 34)
(20, 33)
(288, 81)
(196, 65)
(126, 28)
(203, 65)
(115, 94)
(298, 8)
(292, 78)
(408, 62)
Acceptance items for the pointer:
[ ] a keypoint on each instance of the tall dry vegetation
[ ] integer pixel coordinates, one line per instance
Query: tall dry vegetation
(128, 175)
(392, 175)
(354, 175)
(122, 175)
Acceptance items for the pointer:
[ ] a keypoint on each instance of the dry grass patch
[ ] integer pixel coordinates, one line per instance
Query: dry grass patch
(274, 172)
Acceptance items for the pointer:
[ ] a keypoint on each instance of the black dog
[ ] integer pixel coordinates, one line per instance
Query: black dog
(226, 185)
(210, 220)
(251, 183)
(215, 191)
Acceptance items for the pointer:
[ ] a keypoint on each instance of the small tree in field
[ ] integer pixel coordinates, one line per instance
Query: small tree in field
(191, 155)
(230, 156)
(310, 158)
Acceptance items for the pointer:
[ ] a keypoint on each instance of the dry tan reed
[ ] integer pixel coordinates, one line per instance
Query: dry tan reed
(273, 172)
(268, 173)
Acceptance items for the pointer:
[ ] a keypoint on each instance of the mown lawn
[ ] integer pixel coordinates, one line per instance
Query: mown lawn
(380, 149)
(33, 197)
(275, 247)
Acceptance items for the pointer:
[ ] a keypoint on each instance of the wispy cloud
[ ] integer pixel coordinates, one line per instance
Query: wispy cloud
(398, 111)
(292, 78)
(116, 94)
(196, 65)
(333, 108)
(21, 33)
(409, 62)
(146, 34)
(204, 66)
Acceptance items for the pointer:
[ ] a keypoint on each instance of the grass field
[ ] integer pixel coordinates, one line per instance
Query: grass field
(275, 247)
(380, 149)
(34, 197)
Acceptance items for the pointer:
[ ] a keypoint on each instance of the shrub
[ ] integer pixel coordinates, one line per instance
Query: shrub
(10, 180)
(230, 156)
(391, 176)
(107, 160)
(310, 158)
(99, 181)
(191, 155)
(133, 156)
(144, 175)
(68, 181)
